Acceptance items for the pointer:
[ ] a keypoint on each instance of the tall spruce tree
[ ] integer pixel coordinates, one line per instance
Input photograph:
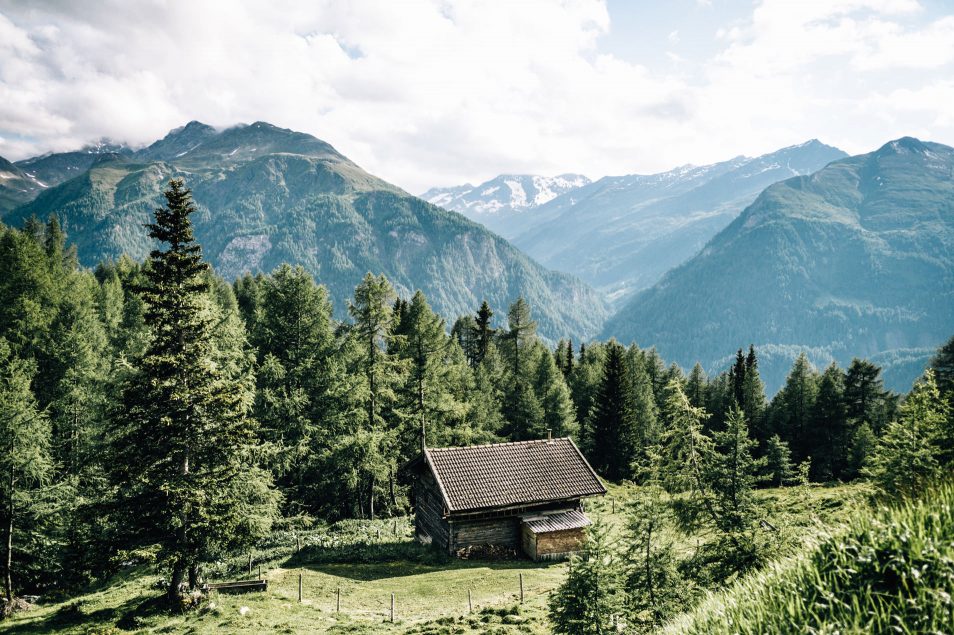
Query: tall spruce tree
(182, 465)
(696, 386)
(612, 425)
(483, 331)
(830, 433)
(753, 398)
(943, 365)
(793, 407)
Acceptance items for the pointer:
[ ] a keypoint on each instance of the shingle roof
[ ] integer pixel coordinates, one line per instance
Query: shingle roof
(560, 521)
(512, 474)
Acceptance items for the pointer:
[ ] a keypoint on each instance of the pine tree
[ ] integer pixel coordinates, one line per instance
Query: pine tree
(522, 408)
(829, 425)
(181, 461)
(464, 332)
(591, 596)
(428, 394)
(913, 448)
(521, 332)
(612, 426)
(647, 418)
(866, 400)
(796, 403)
(943, 365)
(733, 472)
(696, 386)
(483, 331)
(567, 366)
(737, 375)
(26, 463)
(779, 469)
(753, 398)
(554, 397)
(684, 446)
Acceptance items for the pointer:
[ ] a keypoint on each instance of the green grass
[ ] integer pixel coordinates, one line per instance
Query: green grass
(369, 561)
(890, 570)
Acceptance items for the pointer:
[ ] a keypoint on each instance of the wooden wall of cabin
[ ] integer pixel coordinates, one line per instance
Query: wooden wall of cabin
(429, 512)
(503, 532)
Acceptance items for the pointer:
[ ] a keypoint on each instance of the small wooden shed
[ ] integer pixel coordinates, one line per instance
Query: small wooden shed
(553, 535)
(520, 495)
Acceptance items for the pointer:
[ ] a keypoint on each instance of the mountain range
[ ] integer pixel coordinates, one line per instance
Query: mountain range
(856, 259)
(267, 195)
(500, 203)
(622, 233)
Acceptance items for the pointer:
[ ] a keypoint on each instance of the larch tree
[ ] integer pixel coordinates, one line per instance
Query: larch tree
(182, 466)
(26, 463)
(591, 597)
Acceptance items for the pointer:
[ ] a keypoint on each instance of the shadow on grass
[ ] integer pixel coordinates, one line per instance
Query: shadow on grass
(129, 617)
(379, 561)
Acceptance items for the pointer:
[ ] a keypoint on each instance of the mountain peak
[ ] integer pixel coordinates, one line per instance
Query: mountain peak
(904, 145)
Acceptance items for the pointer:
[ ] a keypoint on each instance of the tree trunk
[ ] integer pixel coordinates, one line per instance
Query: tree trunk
(8, 578)
(371, 499)
(193, 577)
(178, 573)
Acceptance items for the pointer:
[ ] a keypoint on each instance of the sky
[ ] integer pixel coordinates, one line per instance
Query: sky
(443, 92)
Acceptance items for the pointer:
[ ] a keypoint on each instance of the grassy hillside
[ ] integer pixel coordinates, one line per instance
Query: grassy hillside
(889, 572)
(369, 560)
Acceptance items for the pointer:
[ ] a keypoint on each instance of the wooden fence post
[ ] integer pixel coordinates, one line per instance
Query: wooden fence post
(299, 586)
(338, 600)
(259, 572)
(521, 588)
(470, 602)
(250, 565)
(392, 608)
(614, 504)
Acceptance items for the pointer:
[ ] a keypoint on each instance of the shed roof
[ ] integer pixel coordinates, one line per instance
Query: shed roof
(559, 521)
(502, 475)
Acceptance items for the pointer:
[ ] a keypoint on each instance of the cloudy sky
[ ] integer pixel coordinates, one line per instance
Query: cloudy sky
(443, 92)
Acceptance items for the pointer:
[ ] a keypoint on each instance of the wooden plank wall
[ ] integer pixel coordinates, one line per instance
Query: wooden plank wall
(429, 519)
(503, 532)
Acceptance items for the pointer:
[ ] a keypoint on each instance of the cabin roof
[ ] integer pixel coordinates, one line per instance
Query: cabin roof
(558, 521)
(505, 475)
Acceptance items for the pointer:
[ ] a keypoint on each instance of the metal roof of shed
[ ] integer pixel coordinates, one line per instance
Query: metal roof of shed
(559, 521)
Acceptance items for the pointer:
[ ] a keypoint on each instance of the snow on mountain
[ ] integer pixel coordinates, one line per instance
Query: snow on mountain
(502, 197)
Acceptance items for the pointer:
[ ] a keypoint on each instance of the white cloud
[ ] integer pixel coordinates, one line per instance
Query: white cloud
(435, 92)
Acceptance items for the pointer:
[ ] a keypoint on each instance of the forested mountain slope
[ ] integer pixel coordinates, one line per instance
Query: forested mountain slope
(856, 259)
(268, 195)
(622, 233)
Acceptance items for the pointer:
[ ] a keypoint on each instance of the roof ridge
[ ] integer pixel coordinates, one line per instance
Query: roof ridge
(501, 444)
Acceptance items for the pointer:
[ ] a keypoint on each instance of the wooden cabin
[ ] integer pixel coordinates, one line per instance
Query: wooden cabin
(524, 495)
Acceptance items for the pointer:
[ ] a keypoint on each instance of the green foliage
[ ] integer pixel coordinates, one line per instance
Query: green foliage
(590, 599)
(181, 450)
(779, 469)
(910, 453)
(889, 571)
(612, 428)
(655, 590)
(25, 461)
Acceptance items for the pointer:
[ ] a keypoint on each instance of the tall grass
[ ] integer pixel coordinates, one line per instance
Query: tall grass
(889, 571)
